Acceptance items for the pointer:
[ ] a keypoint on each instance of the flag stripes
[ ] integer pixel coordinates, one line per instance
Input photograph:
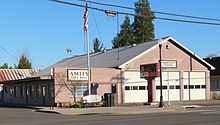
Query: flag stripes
(86, 19)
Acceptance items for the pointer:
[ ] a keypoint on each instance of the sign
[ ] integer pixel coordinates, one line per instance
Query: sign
(150, 70)
(78, 75)
(168, 64)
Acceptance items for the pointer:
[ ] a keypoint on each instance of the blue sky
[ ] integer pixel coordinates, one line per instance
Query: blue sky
(44, 29)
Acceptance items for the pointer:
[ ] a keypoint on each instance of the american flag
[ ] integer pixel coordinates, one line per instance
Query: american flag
(86, 17)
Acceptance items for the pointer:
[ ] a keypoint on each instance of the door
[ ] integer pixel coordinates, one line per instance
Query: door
(43, 94)
(170, 86)
(135, 87)
(150, 89)
(194, 85)
(26, 94)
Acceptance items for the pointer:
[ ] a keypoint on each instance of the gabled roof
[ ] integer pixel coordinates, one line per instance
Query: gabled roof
(114, 58)
(210, 67)
(16, 74)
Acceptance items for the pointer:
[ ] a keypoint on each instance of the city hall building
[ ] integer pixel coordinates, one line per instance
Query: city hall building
(185, 76)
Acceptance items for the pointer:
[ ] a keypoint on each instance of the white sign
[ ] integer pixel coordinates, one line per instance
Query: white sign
(77, 74)
(169, 64)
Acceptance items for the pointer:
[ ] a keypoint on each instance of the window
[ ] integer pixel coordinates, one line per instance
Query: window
(191, 86)
(50, 90)
(197, 86)
(15, 91)
(163, 87)
(171, 86)
(32, 91)
(11, 91)
(177, 87)
(142, 87)
(203, 86)
(38, 91)
(218, 84)
(134, 88)
(212, 85)
(185, 86)
(80, 90)
(157, 87)
(127, 87)
(21, 91)
(6, 89)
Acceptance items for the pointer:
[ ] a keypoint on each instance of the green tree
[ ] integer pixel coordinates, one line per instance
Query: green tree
(24, 62)
(97, 45)
(125, 37)
(143, 26)
(4, 66)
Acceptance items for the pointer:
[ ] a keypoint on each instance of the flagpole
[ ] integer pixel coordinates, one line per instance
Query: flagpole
(86, 29)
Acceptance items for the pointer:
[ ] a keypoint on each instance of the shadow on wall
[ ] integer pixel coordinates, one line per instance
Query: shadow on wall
(94, 88)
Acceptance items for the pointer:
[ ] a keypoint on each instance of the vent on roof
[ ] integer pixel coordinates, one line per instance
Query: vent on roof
(167, 45)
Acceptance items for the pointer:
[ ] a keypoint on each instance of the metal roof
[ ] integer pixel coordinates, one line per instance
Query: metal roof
(16, 74)
(114, 58)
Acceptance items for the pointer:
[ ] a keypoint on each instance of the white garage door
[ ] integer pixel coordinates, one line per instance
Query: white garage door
(170, 85)
(194, 85)
(135, 88)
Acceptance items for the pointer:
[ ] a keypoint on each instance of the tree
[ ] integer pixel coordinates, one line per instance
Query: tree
(97, 46)
(64, 85)
(143, 27)
(4, 66)
(125, 37)
(24, 62)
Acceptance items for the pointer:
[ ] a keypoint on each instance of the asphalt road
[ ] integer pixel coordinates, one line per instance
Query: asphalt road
(21, 116)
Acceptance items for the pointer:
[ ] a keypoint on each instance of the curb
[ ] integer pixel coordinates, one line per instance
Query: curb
(47, 111)
(191, 106)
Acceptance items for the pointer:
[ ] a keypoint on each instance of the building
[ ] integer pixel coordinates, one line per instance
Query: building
(215, 77)
(185, 76)
(13, 75)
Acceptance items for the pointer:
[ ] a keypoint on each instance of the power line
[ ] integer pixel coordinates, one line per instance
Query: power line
(9, 53)
(125, 13)
(97, 25)
(158, 12)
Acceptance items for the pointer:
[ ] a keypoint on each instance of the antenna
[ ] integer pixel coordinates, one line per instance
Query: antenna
(69, 52)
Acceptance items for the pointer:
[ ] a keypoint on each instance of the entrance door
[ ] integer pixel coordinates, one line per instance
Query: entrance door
(26, 94)
(150, 89)
(43, 94)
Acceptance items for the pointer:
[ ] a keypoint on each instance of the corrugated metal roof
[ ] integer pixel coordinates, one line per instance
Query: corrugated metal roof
(16, 74)
(112, 58)
(109, 59)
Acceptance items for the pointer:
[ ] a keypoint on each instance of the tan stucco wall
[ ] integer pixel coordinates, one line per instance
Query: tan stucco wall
(185, 62)
(173, 53)
(105, 77)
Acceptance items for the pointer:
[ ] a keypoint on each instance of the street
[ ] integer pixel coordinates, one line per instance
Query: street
(22, 116)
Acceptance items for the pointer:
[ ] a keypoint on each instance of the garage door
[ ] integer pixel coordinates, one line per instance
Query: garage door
(194, 85)
(135, 88)
(170, 85)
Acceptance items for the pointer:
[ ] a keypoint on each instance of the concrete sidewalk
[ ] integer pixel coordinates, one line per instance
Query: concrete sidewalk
(112, 110)
(179, 106)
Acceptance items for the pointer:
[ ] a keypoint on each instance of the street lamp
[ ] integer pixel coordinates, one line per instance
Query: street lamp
(161, 104)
